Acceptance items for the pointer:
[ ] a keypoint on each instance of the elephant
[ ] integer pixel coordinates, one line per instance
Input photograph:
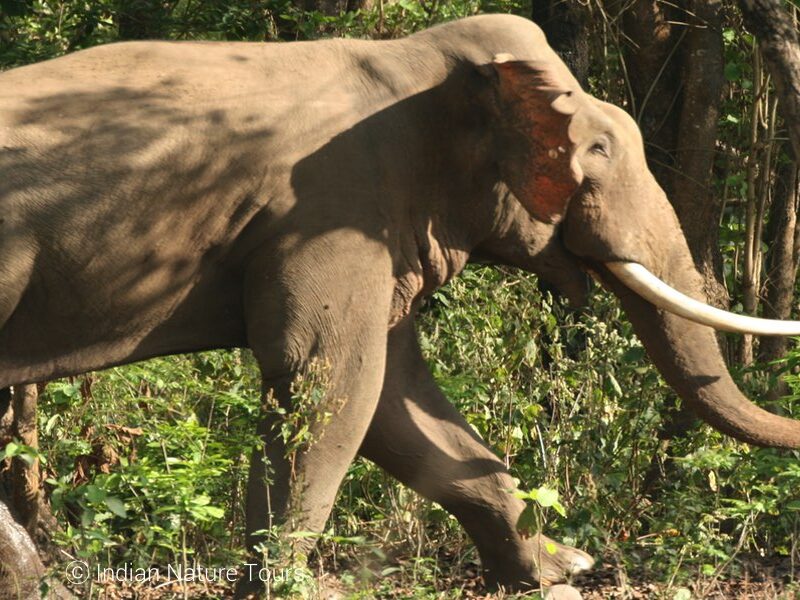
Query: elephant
(302, 199)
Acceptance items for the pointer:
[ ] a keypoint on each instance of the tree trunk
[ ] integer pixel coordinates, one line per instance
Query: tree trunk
(692, 196)
(653, 73)
(776, 34)
(782, 263)
(21, 570)
(676, 76)
(20, 565)
(775, 31)
(566, 26)
(21, 481)
(25, 477)
(142, 19)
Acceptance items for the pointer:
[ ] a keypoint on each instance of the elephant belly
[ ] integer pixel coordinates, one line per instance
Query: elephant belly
(65, 330)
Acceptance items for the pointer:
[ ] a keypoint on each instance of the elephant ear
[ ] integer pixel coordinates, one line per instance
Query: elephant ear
(536, 101)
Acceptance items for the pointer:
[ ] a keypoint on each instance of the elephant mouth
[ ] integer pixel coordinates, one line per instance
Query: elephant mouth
(663, 296)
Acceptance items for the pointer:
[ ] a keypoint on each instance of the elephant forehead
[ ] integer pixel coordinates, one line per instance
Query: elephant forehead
(624, 125)
(587, 123)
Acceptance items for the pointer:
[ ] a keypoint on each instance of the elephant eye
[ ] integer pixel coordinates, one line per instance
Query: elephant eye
(600, 147)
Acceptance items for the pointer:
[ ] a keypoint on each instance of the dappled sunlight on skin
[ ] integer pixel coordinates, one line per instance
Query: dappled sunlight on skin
(153, 158)
(141, 174)
(418, 437)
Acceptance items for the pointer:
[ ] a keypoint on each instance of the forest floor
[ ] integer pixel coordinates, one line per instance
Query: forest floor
(595, 590)
(758, 580)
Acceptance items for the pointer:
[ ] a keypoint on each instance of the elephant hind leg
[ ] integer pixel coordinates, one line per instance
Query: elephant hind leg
(421, 439)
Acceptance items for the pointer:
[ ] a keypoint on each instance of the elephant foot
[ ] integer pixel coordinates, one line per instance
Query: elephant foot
(556, 562)
(562, 592)
(532, 563)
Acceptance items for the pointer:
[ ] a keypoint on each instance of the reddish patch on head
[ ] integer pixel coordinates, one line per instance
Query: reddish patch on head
(537, 102)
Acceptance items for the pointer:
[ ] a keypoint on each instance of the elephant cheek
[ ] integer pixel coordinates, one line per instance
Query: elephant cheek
(586, 231)
(560, 273)
(592, 232)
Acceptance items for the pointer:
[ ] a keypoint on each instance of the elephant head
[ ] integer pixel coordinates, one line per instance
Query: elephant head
(578, 162)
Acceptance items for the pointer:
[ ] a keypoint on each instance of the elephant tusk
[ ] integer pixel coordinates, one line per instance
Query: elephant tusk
(661, 295)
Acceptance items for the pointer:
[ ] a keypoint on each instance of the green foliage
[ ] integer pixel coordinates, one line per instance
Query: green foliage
(303, 422)
(33, 30)
(148, 461)
(20, 450)
(532, 519)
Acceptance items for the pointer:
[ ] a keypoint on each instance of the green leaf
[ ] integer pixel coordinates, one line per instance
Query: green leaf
(732, 71)
(116, 506)
(532, 411)
(12, 449)
(615, 384)
(526, 523)
(28, 458)
(634, 354)
(201, 500)
(546, 497)
(682, 594)
(550, 547)
(51, 423)
(518, 493)
(95, 494)
(531, 352)
(214, 512)
(87, 518)
(304, 534)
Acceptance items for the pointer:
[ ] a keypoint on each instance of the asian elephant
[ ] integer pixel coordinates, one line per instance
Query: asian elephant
(301, 199)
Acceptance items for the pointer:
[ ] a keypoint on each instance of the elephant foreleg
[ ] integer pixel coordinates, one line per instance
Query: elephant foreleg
(321, 346)
(421, 439)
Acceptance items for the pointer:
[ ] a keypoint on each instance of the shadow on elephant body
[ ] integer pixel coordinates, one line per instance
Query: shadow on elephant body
(130, 199)
(125, 244)
(422, 176)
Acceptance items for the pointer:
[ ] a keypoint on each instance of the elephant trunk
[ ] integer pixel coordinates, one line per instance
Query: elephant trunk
(688, 356)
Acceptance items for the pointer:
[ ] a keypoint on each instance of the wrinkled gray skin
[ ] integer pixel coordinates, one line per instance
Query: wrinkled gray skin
(20, 567)
(301, 199)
